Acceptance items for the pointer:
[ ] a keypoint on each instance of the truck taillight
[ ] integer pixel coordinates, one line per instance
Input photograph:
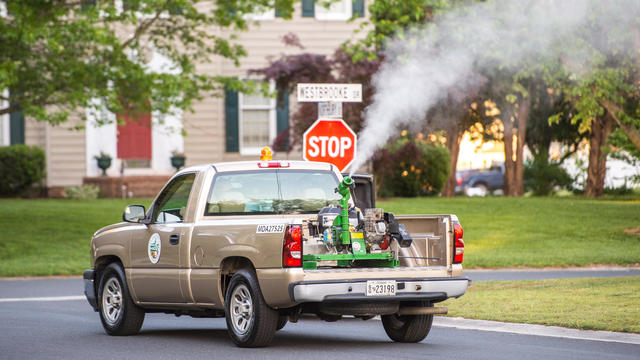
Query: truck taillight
(292, 250)
(459, 180)
(458, 247)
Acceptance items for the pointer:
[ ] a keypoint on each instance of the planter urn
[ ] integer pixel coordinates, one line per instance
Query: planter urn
(177, 162)
(104, 163)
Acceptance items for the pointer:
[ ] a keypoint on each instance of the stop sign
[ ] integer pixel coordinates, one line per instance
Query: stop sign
(330, 140)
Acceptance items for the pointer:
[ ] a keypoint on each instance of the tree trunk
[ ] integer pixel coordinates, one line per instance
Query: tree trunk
(509, 168)
(600, 130)
(454, 135)
(518, 179)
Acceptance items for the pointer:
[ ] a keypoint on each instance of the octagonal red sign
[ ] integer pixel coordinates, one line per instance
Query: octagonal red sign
(330, 140)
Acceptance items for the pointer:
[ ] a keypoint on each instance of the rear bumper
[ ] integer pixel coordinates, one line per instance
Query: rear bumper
(89, 288)
(437, 289)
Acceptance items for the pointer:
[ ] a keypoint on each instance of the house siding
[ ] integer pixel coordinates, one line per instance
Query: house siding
(66, 156)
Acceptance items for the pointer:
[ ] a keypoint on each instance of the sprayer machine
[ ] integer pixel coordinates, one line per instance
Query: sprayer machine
(344, 236)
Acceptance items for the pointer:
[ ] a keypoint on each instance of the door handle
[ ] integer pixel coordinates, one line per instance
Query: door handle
(174, 239)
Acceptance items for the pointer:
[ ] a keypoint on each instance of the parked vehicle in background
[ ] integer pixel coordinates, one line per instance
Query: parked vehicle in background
(480, 182)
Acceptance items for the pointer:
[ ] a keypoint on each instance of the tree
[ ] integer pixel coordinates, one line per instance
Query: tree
(454, 118)
(605, 89)
(60, 56)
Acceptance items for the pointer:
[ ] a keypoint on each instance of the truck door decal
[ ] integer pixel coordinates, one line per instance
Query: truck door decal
(154, 248)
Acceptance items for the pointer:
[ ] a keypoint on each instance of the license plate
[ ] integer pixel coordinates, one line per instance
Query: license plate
(381, 288)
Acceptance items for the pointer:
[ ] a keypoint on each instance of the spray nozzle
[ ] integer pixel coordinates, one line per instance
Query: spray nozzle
(345, 185)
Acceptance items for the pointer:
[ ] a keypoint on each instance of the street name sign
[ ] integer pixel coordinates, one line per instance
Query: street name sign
(329, 92)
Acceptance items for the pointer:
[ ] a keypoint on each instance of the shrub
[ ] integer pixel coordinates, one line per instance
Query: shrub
(543, 177)
(21, 166)
(83, 192)
(410, 167)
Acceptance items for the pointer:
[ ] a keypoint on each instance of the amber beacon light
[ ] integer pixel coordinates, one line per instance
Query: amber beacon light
(266, 154)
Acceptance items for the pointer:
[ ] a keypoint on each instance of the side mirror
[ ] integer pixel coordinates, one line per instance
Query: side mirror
(133, 213)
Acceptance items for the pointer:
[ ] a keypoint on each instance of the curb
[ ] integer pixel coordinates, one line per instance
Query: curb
(536, 330)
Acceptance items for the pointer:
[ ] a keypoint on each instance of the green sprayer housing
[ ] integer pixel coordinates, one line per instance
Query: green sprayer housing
(368, 242)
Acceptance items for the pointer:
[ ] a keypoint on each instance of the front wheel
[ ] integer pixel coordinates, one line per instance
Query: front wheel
(407, 328)
(250, 321)
(120, 316)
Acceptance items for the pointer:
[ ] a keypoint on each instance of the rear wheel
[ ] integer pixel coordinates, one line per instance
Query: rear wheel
(120, 316)
(250, 321)
(282, 321)
(407, 328)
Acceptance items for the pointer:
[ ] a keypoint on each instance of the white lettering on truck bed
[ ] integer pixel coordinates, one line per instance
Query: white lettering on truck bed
(270, 228)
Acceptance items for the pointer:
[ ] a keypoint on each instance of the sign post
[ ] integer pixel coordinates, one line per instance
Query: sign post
(330, 139)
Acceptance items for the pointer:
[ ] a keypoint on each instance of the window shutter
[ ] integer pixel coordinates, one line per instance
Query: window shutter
(231, 116)
(282, 116)
(358, 8)
(16, 127)
(308, 8)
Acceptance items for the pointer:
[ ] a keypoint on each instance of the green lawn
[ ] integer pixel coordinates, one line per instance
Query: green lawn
(50, 237)
(611, 304)
(537, 232)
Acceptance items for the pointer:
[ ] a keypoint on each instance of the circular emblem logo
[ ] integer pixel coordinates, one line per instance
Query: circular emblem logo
(356, 246)
(154, 248)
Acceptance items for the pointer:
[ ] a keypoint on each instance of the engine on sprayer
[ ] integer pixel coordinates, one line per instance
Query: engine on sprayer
(349, 237)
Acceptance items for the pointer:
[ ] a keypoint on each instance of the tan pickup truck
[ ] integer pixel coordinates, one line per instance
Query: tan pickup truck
(263, 242)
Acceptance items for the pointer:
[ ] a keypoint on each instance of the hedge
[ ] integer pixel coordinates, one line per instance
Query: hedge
(21, 167)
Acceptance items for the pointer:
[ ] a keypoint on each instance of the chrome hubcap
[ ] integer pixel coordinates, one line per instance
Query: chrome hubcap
(241, 309)
(111, 301)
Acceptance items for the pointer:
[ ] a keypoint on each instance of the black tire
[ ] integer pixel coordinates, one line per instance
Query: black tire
(256, 325)
(407, 328)
(120, 316)
(282, 321)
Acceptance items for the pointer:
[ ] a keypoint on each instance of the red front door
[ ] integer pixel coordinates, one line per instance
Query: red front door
(134, 137)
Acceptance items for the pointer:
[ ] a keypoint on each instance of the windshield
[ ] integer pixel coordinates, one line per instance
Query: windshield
(272, 192)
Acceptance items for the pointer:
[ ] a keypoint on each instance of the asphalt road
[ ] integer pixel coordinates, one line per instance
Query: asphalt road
(69, 329)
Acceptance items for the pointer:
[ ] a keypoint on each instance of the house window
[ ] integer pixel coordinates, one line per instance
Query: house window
(257, 122)
(338, 10)
(254, 121)
(11, 125)
(267, 14)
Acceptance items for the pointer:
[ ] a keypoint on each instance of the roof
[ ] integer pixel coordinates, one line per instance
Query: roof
(255, 165)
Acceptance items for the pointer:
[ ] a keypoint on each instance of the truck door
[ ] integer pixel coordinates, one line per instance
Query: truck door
(155, 251)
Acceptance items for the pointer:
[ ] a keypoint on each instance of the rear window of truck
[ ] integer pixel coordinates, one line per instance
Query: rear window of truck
(271, 192)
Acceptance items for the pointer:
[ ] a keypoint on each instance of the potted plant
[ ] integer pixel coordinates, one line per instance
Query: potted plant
(177, 159)
(104, 162)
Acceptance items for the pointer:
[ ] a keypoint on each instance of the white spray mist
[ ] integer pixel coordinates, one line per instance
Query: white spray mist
(449, 56)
